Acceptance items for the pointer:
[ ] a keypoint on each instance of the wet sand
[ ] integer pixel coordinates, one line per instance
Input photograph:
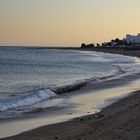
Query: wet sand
(120, 121)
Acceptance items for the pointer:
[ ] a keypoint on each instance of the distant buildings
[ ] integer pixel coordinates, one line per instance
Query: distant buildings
(133, 38)
(130, 42)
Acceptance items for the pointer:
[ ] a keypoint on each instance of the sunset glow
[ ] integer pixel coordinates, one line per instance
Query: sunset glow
(66, 22)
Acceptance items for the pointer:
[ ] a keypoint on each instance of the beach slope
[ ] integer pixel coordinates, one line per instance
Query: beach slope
(120, 121)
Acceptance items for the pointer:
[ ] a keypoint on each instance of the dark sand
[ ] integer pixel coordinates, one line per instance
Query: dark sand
(117, 51)
(120, 121)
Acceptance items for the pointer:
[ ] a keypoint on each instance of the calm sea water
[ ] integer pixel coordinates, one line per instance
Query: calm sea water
(28, 76)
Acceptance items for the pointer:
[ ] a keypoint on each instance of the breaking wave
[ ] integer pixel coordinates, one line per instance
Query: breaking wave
(26, 100)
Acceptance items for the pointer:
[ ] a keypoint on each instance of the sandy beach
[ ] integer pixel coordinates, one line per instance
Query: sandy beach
(69, 70)
(117, 122)
(120, 121)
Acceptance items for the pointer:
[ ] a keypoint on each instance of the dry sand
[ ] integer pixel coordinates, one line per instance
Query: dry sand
(120, 121)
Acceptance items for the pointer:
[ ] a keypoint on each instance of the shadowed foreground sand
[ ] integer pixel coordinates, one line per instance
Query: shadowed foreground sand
(120, 121)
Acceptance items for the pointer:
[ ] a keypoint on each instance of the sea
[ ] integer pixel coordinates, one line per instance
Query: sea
(30, 78)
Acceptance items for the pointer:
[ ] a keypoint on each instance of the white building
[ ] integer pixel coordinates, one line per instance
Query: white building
(133, 38)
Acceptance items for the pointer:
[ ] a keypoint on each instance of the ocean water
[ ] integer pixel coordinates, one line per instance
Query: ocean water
(30, 76)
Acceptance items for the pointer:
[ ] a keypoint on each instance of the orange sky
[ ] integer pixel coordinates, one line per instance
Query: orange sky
(66, 22)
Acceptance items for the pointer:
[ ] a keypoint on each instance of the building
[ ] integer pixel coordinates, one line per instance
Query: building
(133, 38)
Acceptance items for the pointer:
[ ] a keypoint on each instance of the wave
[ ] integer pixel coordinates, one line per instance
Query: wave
(45, 94)
(71, 87)
(26, 100)
(39, 96)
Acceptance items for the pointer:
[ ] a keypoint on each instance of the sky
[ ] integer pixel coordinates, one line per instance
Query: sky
(66, 22)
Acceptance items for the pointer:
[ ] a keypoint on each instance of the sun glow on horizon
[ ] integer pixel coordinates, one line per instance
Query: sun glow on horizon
(66, 22)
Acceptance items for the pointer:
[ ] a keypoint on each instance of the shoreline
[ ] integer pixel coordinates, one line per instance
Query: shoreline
(91, 126)
(113, 122)
(134, 53)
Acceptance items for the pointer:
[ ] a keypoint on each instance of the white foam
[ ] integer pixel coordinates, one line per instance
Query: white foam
(27, 100)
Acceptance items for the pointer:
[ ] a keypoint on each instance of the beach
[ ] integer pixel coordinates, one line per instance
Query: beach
(135, 53)
(119, 121)
(69, 70)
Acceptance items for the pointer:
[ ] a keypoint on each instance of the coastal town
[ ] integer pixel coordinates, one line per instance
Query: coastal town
(131, 42)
